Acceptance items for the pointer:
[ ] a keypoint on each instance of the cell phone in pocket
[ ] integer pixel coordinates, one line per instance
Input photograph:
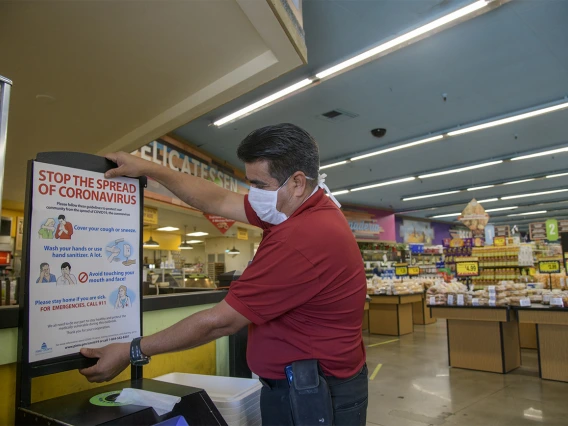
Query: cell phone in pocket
(289, 374)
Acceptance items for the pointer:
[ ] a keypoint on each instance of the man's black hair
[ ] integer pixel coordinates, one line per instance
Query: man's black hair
(66, 265)
(42, 265)
(61, 216)
(286, 147)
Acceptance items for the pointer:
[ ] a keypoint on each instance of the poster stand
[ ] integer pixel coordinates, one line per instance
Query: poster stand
(78, 408)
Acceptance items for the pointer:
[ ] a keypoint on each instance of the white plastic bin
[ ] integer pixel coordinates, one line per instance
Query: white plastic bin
(238, 400)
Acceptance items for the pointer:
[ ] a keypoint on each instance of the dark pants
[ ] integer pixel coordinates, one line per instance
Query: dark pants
(349, 398)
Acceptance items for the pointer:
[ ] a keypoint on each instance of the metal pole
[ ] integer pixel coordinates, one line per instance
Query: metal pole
(5, 88)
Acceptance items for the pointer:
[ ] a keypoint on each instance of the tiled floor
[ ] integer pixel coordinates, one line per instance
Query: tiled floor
(415, 387)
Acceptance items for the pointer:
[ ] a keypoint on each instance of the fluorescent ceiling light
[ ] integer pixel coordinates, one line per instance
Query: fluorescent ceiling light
(263, 102)
(396, 148)
(340, 192)
(501, 209)
(376, 185)
(194, 241)
(534, 194)
(557, 175)
(461, 169)
(168, 229)
(430, 195)
(327, 166)
(518, 181)
(197, 234)
(404, 38)
(475, 188)
(540, 154)
(446, 215)
(524, 214)
(512, 119)
(488, 200)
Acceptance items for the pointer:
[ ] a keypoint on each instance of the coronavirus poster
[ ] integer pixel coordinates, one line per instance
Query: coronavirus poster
(84, 270)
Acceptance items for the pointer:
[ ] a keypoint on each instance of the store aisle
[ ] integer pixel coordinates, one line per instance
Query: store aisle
(414, 386)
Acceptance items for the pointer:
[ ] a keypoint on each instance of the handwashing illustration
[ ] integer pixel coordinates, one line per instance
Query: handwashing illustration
(120, 251)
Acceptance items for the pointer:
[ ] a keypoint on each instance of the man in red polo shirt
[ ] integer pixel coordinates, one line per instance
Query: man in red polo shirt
(303, 294)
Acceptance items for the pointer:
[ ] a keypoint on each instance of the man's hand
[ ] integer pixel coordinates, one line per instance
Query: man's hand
(113, 359)
(128, 165)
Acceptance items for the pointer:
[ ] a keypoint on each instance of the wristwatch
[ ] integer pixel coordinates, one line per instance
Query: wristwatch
(137, 358)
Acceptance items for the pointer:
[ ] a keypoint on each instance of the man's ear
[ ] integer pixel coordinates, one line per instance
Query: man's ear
(300, 182)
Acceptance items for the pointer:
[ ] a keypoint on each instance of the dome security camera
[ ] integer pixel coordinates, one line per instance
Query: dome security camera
(378, 133)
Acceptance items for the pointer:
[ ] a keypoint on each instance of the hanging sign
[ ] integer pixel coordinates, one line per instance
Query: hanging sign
(537, 231)
(242, 234)
(221, 223)
(474, 216)
(83, 269)
(401, 269)
(413, 271)
(562, 226)
(551, 230)
(150, 216)
(489, 234)
(502, 230)
(549, 267)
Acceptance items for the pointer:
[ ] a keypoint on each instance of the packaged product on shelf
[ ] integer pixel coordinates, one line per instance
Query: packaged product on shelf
(519, 301)
(438, 299)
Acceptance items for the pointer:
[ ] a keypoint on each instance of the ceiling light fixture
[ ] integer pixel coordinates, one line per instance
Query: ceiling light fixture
(339, 163)
(396, 148)
(345, 191)
(151, 243)
(168, 229)
(518, 181)
(512, 119)
(488, 200)
(430, 195)
(265, 101)
(185, 245)
(195, 241)
(534, 194)
(540, 154)
(499, 209)
(556, 175)
(461, 169)
(460, 13)
(445, 215)
(196, 233)
(376, 185)
(475, 188)
(528, 213)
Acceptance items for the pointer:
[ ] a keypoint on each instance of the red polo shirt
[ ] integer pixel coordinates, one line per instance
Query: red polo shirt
(304, 293)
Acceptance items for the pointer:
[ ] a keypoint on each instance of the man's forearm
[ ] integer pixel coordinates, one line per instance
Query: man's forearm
(198, 193)
(195, 330)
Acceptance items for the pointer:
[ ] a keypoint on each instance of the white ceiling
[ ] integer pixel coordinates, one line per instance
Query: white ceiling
(115, 74)
(509, 59)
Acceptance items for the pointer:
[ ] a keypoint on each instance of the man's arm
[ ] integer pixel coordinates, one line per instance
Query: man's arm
(199, 193)
(195, 330)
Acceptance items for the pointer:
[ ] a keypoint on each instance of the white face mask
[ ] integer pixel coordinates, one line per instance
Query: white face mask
(263, 202)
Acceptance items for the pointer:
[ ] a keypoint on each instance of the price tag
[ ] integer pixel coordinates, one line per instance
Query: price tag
(546, 298)
(492, 296)
(401, 269)
(525, 302)
(467, 269)
(549, 267)
(432, 300)
(475, 301)
(450, 299)
(460, 300)
(413, 271)
(491, 289)
(499, 241)
(557, 301)
(492, 302)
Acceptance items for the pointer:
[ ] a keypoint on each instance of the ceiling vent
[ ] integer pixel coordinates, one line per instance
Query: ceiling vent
(337, 115)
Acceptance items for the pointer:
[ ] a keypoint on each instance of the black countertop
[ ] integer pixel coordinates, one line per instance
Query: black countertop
(9, 314)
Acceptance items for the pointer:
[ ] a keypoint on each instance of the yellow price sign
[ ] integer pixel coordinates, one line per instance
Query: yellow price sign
(499, 241)
(549, 267)
(413, 271)
(467, 269)
(401, 269)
